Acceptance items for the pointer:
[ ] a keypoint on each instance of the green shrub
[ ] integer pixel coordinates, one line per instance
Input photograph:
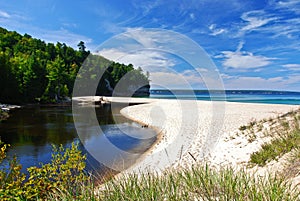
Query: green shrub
(63, 174)
(276, 148)
(11, 178)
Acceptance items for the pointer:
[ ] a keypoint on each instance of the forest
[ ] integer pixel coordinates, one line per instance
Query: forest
(32, 70)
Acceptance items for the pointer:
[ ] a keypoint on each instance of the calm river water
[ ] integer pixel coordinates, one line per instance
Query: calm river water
(33, 129)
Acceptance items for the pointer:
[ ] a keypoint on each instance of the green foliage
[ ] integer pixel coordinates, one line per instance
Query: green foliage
(276, 148)
(31, 69)
(64, 179)
(11, 178)
(62, 175)
(198, 183)
(287, 139)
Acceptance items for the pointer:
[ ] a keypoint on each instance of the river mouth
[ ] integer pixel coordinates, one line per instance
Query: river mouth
(32, 130)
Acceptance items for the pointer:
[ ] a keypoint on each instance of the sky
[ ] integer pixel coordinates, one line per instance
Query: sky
(253, 44)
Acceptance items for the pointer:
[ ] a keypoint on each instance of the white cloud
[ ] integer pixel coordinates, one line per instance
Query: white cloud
(255, 20)
(202, 70)
(294, 79)
(291, 82)
(161, 69)
(293, 67)
(288, 28)
(146, 6)
(190, 78)
(192, 16)
(273, 22)
(173, 80)
(4, 14)
(215, 31)
(145, 37)
(291, 5)
(276, 83)
(243, 60)
(149, 60)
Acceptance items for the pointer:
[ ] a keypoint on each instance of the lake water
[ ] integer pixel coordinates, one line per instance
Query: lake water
(33, 129)
(247, 96)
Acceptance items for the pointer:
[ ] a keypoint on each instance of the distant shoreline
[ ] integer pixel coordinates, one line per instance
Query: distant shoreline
(247, 96)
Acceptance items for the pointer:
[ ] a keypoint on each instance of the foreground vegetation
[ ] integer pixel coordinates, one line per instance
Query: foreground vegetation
(65, 179)
(199, 183)
(285, 131)
(65, 174)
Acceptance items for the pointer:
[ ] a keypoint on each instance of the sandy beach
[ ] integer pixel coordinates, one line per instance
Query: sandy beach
(199, 131)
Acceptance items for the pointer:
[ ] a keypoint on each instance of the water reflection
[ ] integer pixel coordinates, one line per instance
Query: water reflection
(32, 130)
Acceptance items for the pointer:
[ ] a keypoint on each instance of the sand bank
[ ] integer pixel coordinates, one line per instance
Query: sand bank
(194, 131)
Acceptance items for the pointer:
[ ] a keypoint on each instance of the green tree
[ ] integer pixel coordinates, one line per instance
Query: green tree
(31, 69)
(57, 77)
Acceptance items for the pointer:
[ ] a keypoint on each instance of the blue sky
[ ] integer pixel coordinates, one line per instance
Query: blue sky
(255, 44)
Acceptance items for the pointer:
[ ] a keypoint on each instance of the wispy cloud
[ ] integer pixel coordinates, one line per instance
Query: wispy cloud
(151, 61)
(146, 6)
(290, 82)
(273, 22)
(291, 5)
(161, 68)
(23, 24)
(244, 82)
(173, 80)
(255, 20)
(292, 67)
(287, 28)
(215, 31)
(4, 14)
(165, 55)
(192, 16)
(243, 60)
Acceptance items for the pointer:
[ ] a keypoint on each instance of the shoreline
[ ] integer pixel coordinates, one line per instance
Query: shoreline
(5, 109)
(223, 150)
(8, 107)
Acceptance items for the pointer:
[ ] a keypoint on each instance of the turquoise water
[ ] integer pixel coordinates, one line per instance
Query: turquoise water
(247, 96)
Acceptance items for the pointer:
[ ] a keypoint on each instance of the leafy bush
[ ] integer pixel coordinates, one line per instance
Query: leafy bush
(63, 174)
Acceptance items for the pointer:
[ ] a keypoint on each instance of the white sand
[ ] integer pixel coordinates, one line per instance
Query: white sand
(194, 131)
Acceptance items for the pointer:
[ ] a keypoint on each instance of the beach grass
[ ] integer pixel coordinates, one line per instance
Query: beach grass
(276, 148)
(287, 139)
(196, 183)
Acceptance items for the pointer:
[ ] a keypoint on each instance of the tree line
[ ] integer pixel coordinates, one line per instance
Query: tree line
(32, 70)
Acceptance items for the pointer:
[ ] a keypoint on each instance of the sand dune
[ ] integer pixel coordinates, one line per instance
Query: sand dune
(192, 131)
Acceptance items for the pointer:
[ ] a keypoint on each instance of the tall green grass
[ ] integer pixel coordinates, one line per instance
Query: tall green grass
(197, 183)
